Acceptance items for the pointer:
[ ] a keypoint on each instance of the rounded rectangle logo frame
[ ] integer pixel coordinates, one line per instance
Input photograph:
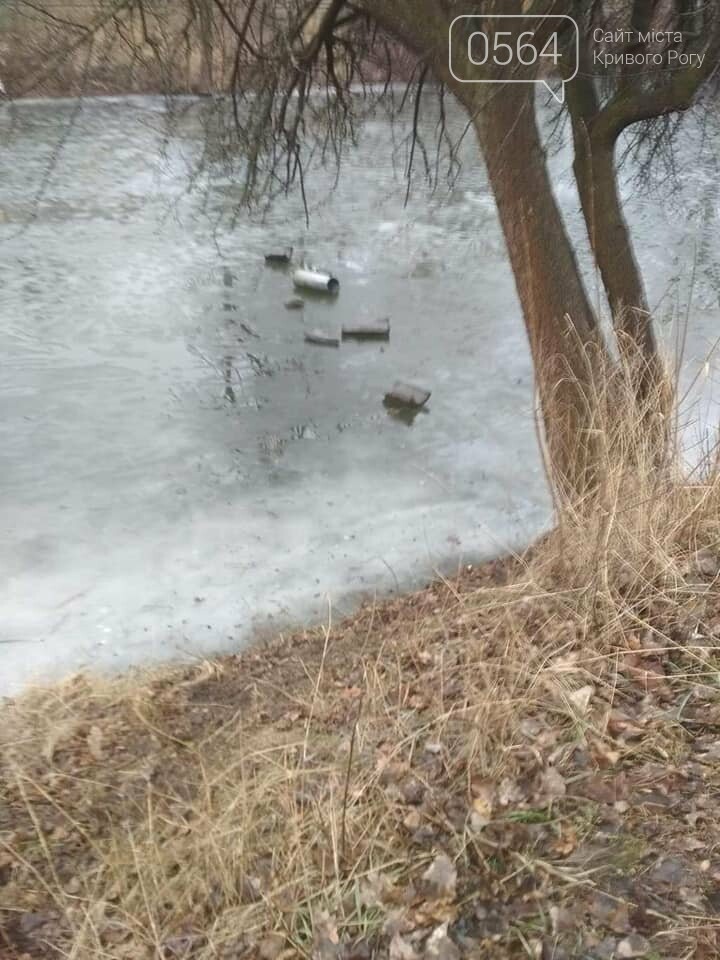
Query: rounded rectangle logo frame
(558, 94)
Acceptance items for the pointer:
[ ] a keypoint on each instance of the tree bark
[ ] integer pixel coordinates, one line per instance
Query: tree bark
(567, 347)
(612, 247)
(609, 236)
(568, 351)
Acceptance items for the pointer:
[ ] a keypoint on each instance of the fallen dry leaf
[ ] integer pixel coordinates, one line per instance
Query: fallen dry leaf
(181, 946)
(603, 754)
(563, 920)
(271, 947)
(374, 889)
(439, 946)
(510, 792)
(648, 674)
(402, 949)
(551, 785)
(566, 842)
(358, 951)
(610, 912)
(250, 889)
(620, 724)
(57, 734)
(391, 771)
(480, 814)
(441, 878)
(326, 942)
(567, 663)
(580, 699)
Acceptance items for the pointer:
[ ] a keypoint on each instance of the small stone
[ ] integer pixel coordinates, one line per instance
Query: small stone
(633, 946)
(73, 886)
(424, 836)
(412, 791)
(412, 821)
(670, 871)
(31, 922)
(407, 395)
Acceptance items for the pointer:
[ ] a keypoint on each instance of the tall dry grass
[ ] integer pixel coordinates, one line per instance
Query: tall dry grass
(278, 803)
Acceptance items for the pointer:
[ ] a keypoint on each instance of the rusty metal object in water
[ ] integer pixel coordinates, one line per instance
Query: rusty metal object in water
(369, 330)
(280, 259)
(322, 338)
(316, 280)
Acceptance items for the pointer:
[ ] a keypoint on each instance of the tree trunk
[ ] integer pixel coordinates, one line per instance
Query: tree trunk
(567, 347)
(609, 236)
(611, 244)
(595, 175)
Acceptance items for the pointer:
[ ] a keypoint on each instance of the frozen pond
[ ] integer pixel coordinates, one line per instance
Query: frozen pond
(178, 468)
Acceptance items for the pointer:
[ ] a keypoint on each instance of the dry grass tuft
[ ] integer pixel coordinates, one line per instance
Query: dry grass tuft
(520, 762)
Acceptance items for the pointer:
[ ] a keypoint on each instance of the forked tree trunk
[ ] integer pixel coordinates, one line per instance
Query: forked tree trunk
(611, 244)
(607, 229)
(594, 169)
(612, 247)
(568, 352)
(567, 347)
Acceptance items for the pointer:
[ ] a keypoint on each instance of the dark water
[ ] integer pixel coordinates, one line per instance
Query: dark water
(178, 467)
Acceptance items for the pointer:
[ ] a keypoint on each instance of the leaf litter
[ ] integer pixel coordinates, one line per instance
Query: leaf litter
(466, 772)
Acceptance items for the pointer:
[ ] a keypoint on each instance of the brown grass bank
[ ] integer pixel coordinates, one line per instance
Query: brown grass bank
(94, 48)
(520, 762)
(84, 49)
